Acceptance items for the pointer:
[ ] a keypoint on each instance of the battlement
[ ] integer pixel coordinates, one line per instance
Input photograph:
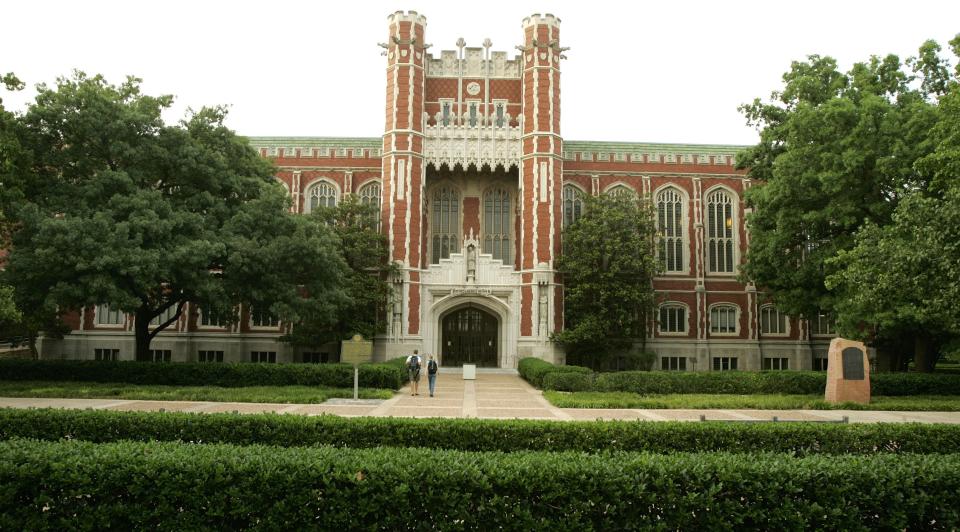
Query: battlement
(536, 19)
(474, 65)
(409, 16)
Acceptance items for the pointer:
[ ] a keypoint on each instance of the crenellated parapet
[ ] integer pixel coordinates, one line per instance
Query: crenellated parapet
(473, 64)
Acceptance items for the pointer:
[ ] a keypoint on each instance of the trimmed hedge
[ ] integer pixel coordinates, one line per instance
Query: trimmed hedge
(480, 435)
(130, 485)
(745, 382)
(388, 375)
(534, 370)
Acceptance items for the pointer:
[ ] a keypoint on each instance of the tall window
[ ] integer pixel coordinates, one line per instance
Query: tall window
(772, 321)
(262, 318)
(673, 319)
(572, 204)
(473, 114)
(496, 224)
(370, 195)
(444, 223)
(720, 232)
(108, 316)
(621, 190)
(163, 317)
(322, 194)
(723, 319)
(823, 325)
(445, 113)
(670, 224)
(501, 118)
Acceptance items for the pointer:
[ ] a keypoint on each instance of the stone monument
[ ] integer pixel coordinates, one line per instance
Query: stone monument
(848, 372)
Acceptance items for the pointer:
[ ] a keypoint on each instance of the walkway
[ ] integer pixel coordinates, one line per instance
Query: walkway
(495, 394)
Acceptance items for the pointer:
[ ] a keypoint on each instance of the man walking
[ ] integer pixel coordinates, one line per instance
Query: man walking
(413, 371)
(432, 374)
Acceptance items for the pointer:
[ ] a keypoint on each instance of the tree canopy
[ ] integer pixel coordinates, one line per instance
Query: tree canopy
(608, 264)
(119, 208)
(364, 248)
(841, 157)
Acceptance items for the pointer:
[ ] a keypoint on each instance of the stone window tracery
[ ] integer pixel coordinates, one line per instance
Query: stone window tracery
(720, 232)
(321, 194)
(497, 216)
(572, 204)
(444, 223)
(670, 223)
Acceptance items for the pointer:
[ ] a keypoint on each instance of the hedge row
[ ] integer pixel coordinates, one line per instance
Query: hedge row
(480, 435)
(388, 375)
(736, 382)
(131, 485)
(534, 370)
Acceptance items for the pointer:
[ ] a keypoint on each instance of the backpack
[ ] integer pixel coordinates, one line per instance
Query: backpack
(414, 363)
(432, 367)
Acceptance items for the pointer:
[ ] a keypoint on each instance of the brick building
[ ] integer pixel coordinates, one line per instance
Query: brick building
(475, 183)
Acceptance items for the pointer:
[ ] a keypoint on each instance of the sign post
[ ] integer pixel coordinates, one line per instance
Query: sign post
(356, 351)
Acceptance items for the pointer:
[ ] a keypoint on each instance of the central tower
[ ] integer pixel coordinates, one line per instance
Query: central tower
(472, 179)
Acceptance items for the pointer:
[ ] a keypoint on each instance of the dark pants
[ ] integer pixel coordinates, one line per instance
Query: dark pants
(433, 381)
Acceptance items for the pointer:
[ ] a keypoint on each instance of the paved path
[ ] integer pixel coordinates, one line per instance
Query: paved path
(496, 394)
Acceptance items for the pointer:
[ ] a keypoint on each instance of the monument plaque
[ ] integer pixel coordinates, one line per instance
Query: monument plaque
(848, 372)
(356, 350)
(852, 364)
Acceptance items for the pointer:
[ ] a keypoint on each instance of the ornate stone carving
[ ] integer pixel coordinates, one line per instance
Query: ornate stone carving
(478, 145)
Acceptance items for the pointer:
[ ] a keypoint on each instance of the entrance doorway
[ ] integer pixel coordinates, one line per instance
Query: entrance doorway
(469, 337)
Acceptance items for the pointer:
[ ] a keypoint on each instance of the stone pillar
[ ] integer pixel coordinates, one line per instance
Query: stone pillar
(541, 165)
(403, 164)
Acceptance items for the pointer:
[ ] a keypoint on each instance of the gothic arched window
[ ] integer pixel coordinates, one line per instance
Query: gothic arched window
(496, 224)
(621, 190)
(370, 195)
(444, 223)
(321, 194)
(772, 321)
(572, 204)
(723, 319)
(670, 222)
(720, 231)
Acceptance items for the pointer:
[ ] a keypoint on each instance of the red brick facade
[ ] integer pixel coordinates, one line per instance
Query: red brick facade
(483, 131)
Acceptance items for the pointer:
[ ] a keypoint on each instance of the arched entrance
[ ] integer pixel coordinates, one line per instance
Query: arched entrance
(469, 335)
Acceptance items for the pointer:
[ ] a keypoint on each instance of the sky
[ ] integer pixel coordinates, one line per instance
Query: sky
(636, 71)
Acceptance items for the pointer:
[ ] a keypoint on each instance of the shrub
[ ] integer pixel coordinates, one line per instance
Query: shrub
(568, 382)
(480, 435)
(914, 384)
(199, 374)
(534, 370)
(136, 485)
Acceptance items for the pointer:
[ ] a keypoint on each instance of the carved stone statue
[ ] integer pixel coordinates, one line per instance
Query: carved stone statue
(542, 311)
(471, 263)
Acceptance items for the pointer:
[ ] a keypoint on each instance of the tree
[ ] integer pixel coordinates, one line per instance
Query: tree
(906, 275)
(366, 290)
(608, 264)
(121, 209)
(837, 152)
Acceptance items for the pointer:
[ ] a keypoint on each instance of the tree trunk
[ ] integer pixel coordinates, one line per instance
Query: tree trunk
(924, 356)
(141, 327)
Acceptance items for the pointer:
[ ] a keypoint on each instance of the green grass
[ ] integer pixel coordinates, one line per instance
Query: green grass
(249, 394)
(936, 403)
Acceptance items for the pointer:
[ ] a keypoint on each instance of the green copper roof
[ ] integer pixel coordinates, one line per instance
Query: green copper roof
(316, 142)
(568, 145)
(646, 147)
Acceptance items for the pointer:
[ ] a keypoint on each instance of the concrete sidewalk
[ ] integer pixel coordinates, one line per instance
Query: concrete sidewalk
(493, 395)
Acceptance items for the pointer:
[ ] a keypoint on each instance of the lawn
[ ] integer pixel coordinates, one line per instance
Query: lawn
(938, 403)
(249, 394)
